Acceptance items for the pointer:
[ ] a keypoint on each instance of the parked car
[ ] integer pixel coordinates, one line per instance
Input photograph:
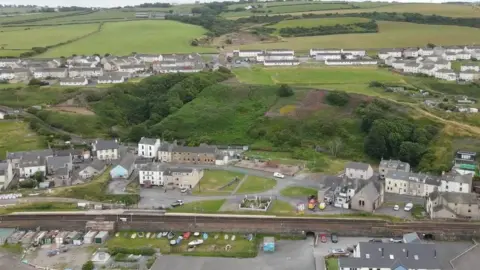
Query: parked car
(408, 207)
(396, 207)
(396, 240)
(183, 190)
(334, 238)
(375, 241)
(278, 175)
(323, 238)
(339, 252)
(177, 203)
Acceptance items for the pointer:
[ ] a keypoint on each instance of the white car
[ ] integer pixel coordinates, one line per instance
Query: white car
(278, 175)
(180, 202)
(408, 207)
(396, 207)
(183, 190)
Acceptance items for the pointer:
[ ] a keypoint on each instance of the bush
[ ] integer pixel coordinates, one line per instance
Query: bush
(337, 98)
(88, 266)
(28, 184)
(135, 251)
(285, 91)
(35, 82)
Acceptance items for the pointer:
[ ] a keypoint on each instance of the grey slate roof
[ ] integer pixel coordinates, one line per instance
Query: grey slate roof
(31, 161)
(371, 190)
(413, 177)
(127, 161)
(166, 147)
(42, 153)
(161, 167)
(197, 150)
(55, 163)
(106, 144)
(97, 165)
(410, 256)
(61, 172)
(149, 141)
(394, 164)
(357, 166)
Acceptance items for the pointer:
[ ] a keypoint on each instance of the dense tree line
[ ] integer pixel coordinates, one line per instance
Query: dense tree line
(135, 107)
(367, 27)
(392, 136)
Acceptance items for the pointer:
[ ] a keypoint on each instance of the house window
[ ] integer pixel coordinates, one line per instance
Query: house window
(469, 211)
(460, 189)
(395, 185)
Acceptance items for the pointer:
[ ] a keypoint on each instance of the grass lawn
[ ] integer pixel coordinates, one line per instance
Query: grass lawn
(281, 208)
(282, 157)
(14, 53)
(213, 180)
(318, 22)
(124, 240)
(255, 184)
(391, 34)
(316, 75)
(44, 36)
(16, 136)
(208, 206)
(298, 191)
(332, 264)
(147, 36)
(40, 206)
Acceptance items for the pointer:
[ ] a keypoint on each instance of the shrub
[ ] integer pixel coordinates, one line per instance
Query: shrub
(337, 98)
(285, 91)
(88, 266)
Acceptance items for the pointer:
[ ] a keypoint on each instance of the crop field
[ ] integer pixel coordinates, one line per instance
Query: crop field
(122, 38)
(450, 10)
(307, 7)
(98, 16)
(44, 36)
(318, 22)
(391, 34)
(30, 16)
(16, 136)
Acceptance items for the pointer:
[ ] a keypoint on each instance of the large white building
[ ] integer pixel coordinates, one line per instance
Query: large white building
(386, 53)
(464, 55)
(469, 75)
(314, 52)
(446, 74)
(360, 53)
(456, 183)
(157, 174)
(247, 53)
(106, 149)
(275, 57)
(470, 67)
(148, 147)
(7, 74)
(280, 51)
(328, 56)
(413, 184)
(351, 62)
(73, 81)
(272, 63)
(6, 174)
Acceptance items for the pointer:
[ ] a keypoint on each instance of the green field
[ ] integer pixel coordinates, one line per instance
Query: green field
(31, 16)
(16, 136)
(317, 75)
(255, 184)
(390, 35)
(207, 206)
(45, 36)
(298, 191)
(318, 22)
(212, 181)
(450, 10)
(288, 7)
(98, 16)
(136, 36)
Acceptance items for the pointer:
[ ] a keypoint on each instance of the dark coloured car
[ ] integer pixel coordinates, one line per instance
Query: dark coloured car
(375, 241)
(334, 238)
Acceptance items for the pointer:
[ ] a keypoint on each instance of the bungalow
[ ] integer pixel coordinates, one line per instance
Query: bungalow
(314, 52)
(280, 51)
(73, 81)
(360, 53)
(39, 73)
(385, 53)
(327, 56)
(247, 53)
(124, 168)
(92, 169)
(348, 62)
(12, 63)
(149, 57)
(410, 53)
(470, 67)
(281, 62)
(443, 64)
(425, 51)
(454, 49)
(472, 48)
(110, 79)
(411, 68)
(450, 56)
(7, 74)
(469, 75)
(464, 55)
(446, 74)
(427, 69)
(277, 56)
(85, 72)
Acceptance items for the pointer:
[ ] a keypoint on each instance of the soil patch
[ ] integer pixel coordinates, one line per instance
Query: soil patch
(71, 109)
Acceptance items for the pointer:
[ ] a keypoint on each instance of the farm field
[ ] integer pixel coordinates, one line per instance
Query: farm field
(136, 36)
(292, 8)
(318, 22)
(31, 16)
(44, 36)
(98, 16)
(16, 136)
(450, 10)
(391, 34)
(14, 53)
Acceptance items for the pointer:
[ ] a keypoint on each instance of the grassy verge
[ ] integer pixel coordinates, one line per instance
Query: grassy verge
(43, 206)
(255, 184)
(12, 248)
(281, 208)
(332, 264)
(96, 191)
(298, 191)
(208, 206)
(213, 180)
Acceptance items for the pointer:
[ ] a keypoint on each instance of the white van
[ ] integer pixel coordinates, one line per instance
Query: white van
(408, 207)
(278, 175)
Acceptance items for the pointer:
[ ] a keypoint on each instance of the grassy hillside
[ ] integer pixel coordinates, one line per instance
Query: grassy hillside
(16, 136)
(318, 22)
(136, 36)
(391, 34)
(41, 37)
